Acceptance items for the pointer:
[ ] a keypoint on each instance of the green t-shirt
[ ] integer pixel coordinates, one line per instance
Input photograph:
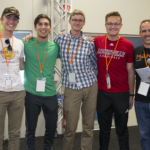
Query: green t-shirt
(32, 69)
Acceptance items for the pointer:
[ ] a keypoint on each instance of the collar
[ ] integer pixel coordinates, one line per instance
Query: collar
(72, 37)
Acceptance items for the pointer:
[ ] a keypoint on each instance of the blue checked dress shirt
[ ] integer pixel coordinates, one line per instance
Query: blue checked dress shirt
(83, 64)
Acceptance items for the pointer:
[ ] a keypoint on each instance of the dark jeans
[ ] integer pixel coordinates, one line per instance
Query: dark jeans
(143, 118)
(33, 105)
(107, 104)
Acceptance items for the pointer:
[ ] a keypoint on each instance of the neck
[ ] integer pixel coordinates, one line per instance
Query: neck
(6, 34)
(76, 34)
(146, 46)
(113, 38)
(42, 39)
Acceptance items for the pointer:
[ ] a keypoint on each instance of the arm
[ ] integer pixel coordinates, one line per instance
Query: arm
(93, 57)
(131, 81)
(21, 63)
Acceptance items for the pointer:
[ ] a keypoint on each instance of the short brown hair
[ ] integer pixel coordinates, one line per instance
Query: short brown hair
(77, 12)
(113, 13)
(36, 21)
(147, 20)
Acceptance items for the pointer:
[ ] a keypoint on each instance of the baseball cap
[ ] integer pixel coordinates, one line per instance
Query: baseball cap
(10, 10)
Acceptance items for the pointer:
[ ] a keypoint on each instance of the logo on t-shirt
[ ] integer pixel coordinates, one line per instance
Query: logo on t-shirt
(8, 54)
(139, 57)
(111, 44)
(117, 54)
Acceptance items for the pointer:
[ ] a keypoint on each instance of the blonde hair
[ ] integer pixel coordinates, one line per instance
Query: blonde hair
(77, 12)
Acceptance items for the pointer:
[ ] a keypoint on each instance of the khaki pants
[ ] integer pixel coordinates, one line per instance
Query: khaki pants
(72, 103)
(13, 103)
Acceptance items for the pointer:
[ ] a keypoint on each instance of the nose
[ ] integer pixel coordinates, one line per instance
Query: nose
(113, 26)
(11, 20)
(43, 26)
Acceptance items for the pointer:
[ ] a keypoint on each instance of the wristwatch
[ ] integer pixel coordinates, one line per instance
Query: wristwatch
(131, 94)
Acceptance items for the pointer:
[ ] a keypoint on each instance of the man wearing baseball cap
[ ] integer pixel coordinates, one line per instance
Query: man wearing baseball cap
(11, 89)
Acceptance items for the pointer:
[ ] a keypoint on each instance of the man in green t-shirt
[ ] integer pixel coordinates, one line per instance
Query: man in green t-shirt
(41, 55)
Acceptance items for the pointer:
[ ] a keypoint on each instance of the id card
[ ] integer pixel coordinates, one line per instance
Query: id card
(108, 81)
(72, 78)
(40, 84)
(7, 82)
(143, 88)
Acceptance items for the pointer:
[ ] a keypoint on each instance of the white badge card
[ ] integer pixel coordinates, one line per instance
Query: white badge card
(7, 82)
(40, 84)
(72, 77)
(108, 81)
(143, 88)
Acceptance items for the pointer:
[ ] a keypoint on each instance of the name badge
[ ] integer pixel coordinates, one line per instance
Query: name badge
(40, 84)
(108, 81)
(7, 82)
(143, 88)
(72, 78)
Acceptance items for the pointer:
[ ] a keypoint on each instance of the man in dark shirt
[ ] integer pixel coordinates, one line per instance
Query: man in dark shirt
(142, 103)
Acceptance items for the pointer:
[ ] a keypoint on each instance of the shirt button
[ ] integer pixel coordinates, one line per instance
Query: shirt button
(78, 84)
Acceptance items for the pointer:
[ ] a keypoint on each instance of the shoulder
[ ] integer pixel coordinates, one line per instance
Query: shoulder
(138, 49)
(122, 39)
(33, 40)
(53, 44)
(100, 38)
(62, 36)
(18, 41)
(85, 41)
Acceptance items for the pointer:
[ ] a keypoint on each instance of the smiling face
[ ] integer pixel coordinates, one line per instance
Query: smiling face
(9, 23)
(145, 34)
(43, 28)
(77, 22)
(113, 26)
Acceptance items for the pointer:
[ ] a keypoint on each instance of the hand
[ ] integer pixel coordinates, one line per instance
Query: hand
(27, 38)
(131, 102)
(89, 38)
(62, 33)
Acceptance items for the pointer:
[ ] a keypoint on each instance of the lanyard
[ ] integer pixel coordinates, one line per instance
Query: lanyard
(4, 51)
(107, 64)
(145, 58)
(41, 68)
(71, 61)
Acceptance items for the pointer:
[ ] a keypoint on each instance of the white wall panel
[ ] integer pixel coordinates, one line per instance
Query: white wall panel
(132, 12)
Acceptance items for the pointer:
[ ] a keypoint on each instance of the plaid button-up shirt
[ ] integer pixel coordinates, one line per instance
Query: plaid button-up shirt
(83, 64)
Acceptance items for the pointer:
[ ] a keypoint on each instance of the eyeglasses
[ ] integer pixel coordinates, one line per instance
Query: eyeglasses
(76, 20)
(9, 46)
(111, 24)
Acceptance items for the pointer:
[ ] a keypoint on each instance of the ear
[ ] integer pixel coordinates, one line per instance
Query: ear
(35, 28)
(69, 21)
(140, 33)
(0, 19)
(50, 28)
(84, 23)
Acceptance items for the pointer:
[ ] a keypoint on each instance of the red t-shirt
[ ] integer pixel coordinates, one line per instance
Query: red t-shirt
(117, 68)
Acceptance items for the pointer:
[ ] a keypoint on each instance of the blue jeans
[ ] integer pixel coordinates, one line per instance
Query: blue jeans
(143, 118)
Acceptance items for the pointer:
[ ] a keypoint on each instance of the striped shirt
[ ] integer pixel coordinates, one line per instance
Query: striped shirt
(83, 64)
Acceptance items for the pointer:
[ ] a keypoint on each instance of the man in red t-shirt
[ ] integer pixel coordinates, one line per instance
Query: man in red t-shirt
(115, 81)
